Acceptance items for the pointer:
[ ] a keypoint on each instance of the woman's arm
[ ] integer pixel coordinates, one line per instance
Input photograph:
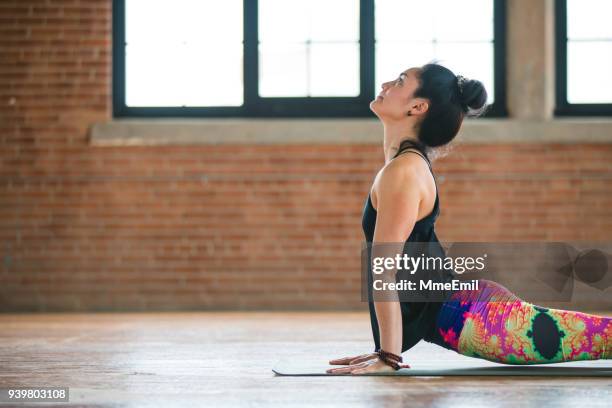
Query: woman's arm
(398, 200)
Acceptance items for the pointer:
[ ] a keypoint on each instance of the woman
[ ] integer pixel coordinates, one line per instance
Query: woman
(423, 109)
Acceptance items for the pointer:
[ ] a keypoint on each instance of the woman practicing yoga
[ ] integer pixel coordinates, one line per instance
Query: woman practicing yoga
(420, 110)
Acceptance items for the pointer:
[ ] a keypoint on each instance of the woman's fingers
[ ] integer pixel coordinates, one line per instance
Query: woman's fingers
(362, 364)
(341, 361)
(365, 357)
(370, 369)
(345, 370)
(376, 367)
(364, 370)
(351, 360)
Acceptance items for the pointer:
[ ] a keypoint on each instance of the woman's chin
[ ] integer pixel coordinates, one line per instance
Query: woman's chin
(374, 109)
(374, 105)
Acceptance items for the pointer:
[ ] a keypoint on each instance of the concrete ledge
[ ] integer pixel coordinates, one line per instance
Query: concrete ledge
(162, 131)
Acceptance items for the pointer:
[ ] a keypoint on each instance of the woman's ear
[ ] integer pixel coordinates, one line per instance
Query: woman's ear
(420, 106)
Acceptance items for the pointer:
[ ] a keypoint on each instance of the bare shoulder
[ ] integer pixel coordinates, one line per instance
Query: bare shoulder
(402, 175)
(406, 167)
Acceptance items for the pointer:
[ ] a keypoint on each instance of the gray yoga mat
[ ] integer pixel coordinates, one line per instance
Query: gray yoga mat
(471, 367)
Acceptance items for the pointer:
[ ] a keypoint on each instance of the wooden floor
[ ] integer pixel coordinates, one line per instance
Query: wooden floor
(225, 359)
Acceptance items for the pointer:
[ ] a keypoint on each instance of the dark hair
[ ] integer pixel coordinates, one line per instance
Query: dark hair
(447, 106)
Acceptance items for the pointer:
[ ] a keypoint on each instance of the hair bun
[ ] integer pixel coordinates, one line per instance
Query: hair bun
(472, 95)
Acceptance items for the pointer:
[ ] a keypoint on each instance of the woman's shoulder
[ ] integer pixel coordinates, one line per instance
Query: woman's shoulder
(405, 165)
(412, 155)
(401, 175)
(406, 174)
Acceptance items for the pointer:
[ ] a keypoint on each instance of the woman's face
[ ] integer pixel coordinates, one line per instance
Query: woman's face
(396, 97)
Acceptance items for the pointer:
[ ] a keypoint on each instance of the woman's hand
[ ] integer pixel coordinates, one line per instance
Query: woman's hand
(353, 360)
(366, 367)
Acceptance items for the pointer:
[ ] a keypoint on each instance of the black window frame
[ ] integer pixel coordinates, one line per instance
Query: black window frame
(562, 106)
(295, 107)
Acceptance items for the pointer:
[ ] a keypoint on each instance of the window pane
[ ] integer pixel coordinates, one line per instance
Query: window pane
(335, 20)
(206, 84)
(394, 57)
(182, 75)
(589, 51)
(308, 48)
(397, 21)
(589, 19)
(150, 75)
(446, 20)
(465, 20)
(589, 65)
(282, 70)
(184, 53)
(333, 70)
(283, 21)
(302, 20)
(460, 38)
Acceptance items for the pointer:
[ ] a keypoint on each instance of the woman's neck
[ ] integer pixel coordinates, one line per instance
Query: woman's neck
(393, 136)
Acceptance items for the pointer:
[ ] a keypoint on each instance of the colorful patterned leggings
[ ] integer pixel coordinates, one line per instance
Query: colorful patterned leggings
(494, 324)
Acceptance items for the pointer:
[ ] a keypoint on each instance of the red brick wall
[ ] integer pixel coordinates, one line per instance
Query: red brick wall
(221, 227)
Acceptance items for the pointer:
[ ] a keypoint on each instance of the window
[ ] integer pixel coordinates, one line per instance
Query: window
(460, 34)
(304, 51)
(177, 54)
(293, 58)
(584, 57)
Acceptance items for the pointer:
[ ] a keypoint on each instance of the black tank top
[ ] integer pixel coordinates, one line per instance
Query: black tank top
(418, 318)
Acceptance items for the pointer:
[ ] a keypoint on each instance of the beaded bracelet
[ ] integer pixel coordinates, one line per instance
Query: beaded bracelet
(389, 359)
